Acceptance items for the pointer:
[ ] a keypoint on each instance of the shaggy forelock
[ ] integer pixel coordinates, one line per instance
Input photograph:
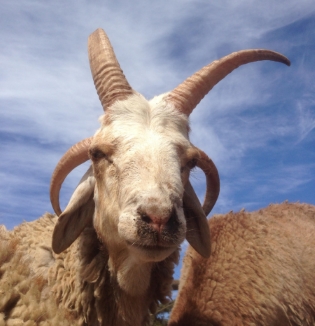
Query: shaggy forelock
(136, 114)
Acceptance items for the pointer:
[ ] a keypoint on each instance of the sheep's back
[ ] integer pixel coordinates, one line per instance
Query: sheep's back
(261, 271)
(25, 261)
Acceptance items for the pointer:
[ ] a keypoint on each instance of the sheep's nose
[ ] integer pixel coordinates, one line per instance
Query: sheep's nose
(156, 222)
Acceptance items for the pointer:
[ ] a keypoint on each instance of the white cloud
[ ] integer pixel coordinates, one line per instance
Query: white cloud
(48, 101)
(306, 116)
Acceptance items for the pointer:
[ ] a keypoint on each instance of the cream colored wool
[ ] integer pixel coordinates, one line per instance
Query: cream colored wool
(39, 287)
(25, 258)
(260, 272)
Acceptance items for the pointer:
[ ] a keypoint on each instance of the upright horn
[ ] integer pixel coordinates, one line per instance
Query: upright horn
(188, 94)
(110, 82)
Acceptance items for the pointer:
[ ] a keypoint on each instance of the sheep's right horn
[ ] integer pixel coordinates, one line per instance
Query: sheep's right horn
(75, 156)
(187, 95)
(110, 83)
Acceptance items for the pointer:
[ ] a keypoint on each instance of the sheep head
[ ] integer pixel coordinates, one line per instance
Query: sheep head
(137, 192)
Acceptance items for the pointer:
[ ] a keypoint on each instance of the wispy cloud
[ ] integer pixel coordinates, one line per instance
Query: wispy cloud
(257, 118)
(306, 116)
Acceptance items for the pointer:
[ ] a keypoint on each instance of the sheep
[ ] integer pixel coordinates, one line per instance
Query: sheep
(108, 257)
(260, 272)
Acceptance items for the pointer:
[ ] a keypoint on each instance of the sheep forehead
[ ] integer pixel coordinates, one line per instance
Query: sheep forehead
(136, 114)
(151, 153)
(143, 125)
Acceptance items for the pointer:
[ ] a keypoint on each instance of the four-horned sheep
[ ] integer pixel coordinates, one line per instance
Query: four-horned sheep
(108, 257)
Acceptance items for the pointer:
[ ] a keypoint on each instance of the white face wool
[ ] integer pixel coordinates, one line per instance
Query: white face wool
(139, 174)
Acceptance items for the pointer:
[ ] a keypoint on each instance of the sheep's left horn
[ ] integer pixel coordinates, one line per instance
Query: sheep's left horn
(75, 156)
(110, 83)
(198, 233)
(187, 95)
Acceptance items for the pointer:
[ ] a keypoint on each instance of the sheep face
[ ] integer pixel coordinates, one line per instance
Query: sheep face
(137, 193)
(141, 161)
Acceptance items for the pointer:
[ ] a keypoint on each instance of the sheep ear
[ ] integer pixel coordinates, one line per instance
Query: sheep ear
(198, 232)
(77, 215)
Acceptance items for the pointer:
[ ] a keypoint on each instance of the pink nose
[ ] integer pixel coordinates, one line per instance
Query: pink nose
(156, 222)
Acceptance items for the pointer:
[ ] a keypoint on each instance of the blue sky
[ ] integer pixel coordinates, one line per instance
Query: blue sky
(258, 124)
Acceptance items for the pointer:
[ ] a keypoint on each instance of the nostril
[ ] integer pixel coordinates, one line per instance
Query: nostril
(154, 220)
(146, 218)
(162, 221)
(173, 217)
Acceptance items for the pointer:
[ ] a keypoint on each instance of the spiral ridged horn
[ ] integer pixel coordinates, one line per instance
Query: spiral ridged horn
(76, 155)
(110, 82)
(188, 94)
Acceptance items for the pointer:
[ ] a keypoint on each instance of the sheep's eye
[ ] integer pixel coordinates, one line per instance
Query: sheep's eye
(96, 154)
(192, 163)
(189, 165)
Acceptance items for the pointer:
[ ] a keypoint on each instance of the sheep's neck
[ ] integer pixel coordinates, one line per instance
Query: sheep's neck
(105, 301)
(133, 277)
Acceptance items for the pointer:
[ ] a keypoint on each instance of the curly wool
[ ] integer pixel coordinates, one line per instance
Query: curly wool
(24, 293)
(39, 287)
(260, 272)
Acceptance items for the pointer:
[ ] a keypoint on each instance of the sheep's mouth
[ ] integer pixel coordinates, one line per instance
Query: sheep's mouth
(151, 252)
(145, 247)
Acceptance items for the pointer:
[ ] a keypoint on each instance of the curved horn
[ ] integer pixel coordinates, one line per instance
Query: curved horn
(74, 156)
(187, 95)
(110, 83)
(197, 231)
(213, 181)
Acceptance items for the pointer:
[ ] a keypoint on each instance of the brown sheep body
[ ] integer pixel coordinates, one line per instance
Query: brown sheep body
(260, 272)
(39, 287)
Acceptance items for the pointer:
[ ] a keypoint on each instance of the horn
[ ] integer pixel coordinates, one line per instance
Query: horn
(110, 83)
(197, 229)
(75, 156)
(188, 94)
(198, 233)
(212, 179)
